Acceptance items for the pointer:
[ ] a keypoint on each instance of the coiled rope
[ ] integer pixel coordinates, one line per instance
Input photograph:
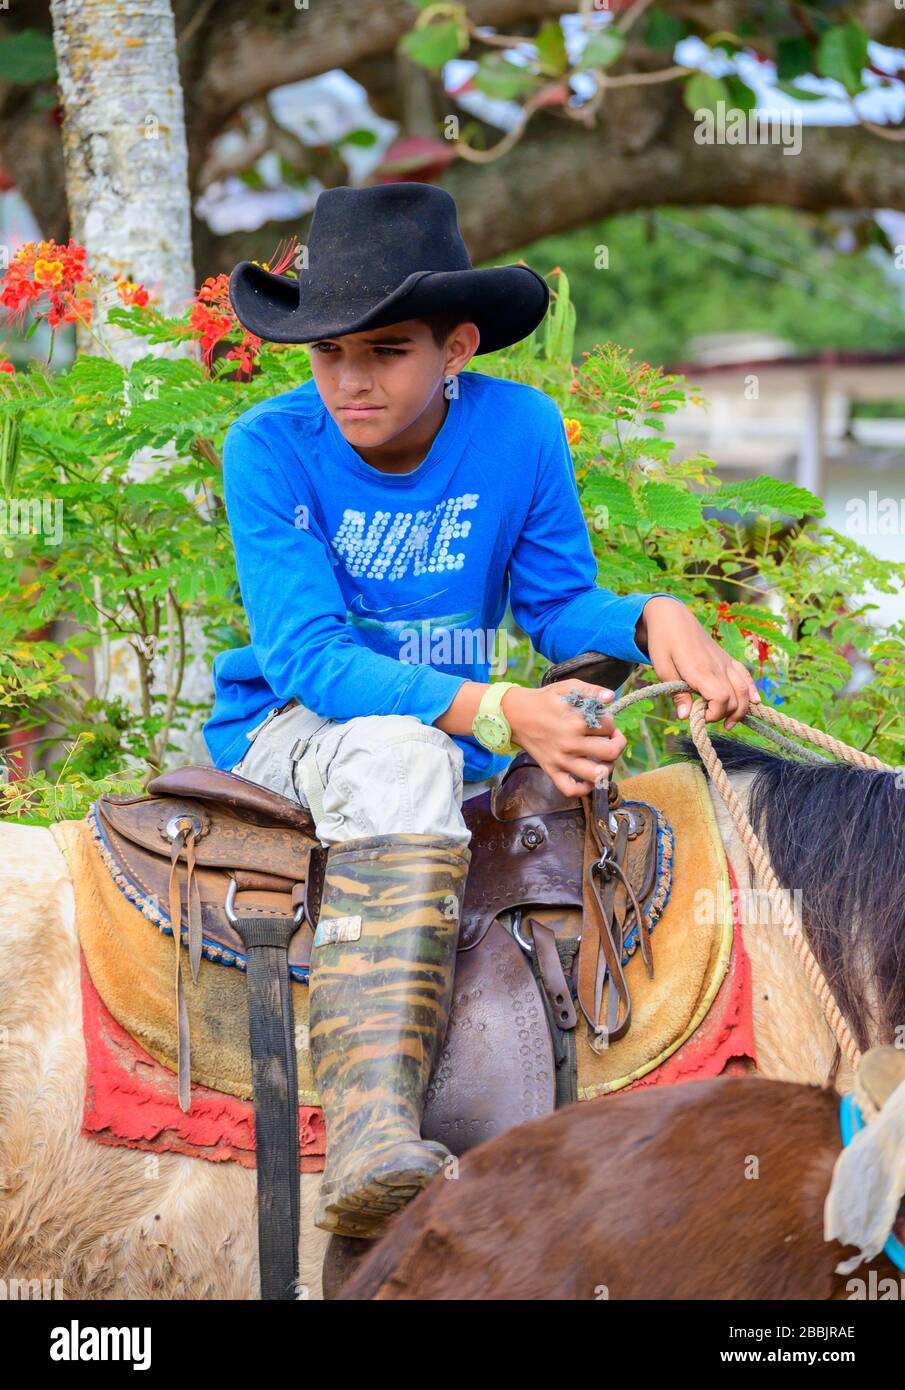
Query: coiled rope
(767, 722)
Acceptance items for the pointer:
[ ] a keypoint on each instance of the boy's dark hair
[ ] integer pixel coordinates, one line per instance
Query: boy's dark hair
(442, 324)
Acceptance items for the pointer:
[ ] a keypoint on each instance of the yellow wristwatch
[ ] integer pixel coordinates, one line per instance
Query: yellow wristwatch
(490, 726)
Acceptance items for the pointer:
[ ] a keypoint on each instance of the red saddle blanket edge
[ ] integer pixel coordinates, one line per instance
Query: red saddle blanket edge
(131, 1100)
(723, 1043)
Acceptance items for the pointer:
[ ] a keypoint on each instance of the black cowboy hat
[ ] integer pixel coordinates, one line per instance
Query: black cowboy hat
(381, 254)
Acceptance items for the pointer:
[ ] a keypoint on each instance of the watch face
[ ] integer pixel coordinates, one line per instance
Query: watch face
(491, 730)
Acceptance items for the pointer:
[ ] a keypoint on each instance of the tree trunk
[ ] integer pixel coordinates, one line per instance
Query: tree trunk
(126, 169)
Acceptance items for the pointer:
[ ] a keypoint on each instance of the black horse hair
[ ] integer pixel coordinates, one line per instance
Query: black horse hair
(836, 833)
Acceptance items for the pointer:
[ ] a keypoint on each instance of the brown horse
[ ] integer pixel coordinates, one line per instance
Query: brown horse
(712, 1189)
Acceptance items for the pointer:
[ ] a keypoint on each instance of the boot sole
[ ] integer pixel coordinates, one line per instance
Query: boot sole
(366, 1210)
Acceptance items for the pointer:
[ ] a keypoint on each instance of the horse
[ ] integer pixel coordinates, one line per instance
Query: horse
(118, 1223)
(709, 1190)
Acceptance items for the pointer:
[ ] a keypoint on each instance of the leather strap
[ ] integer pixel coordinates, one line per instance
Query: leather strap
(552, 974)
(184, 839)
(273, 1058)
(598, 953)
(275, 1084)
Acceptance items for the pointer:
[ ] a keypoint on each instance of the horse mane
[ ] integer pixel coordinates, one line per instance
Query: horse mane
(835, 833)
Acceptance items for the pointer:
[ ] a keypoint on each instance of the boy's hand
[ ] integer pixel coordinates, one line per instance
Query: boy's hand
(680, 649)
(556, 735)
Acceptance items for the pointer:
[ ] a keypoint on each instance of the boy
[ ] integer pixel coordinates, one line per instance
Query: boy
(381, 514)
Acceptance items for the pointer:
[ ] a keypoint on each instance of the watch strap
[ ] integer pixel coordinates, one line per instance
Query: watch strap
(492, 703)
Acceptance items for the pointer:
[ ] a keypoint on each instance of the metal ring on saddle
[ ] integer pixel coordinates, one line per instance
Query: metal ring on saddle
(196, 821)
(298, 916)
(516, 924)
(516, 932)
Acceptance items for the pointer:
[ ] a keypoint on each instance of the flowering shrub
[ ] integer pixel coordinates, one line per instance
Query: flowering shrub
(114, 556)
(86, 544)
(50, 279)
(752, 558)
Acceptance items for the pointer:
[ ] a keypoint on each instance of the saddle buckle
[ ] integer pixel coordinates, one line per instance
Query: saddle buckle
(298, 915)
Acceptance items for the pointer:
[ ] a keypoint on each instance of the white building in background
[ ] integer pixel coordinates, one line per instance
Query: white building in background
(770, 411)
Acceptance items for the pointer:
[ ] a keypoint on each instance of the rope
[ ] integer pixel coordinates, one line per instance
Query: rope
(757, 854)
(788, 745)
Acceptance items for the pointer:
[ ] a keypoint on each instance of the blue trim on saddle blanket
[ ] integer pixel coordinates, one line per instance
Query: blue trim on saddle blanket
(654, 910)
(136, 895)
(851, 1121)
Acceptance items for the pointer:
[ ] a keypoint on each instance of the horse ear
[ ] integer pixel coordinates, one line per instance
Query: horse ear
(594, 667)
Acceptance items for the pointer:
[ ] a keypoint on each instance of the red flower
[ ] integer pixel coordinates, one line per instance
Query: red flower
(723, 615)
(130, 293)
(45, 274)
(213, 317)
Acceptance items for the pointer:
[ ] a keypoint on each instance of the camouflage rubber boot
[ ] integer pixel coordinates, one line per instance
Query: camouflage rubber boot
(380, 990)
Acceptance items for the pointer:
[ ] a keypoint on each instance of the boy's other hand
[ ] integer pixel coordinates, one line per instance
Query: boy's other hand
(556, 735)
(681, 650)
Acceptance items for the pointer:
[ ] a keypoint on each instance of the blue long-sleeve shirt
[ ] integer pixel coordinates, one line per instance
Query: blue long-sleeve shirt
(376, 593)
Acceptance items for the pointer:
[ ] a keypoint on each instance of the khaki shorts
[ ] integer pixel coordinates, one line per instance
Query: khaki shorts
(384, 774)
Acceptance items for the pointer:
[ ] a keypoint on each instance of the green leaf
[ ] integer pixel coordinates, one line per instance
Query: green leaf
(433, 44)
(742, 97)
(663, 30)
(671, 508)
(603, 493)
(601, 50)
(551, 47)
(793, 57)
(27, 57)
(799, 93)
(501, 80)
(765, 495)
(842, 55)
(724, 40)
(733, 642)
(559, 326)
(702, 92)
(363, 137)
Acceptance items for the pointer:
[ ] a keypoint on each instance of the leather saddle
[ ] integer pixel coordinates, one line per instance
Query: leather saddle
(253, 851)
(210, 847)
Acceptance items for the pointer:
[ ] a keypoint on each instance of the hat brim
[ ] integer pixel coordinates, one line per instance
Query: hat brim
(505, 302)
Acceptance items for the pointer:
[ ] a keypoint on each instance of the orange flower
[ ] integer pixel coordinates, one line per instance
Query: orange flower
(573, 430)
(131, 293)
(53, 278)
(212, 317)
(6, 365)
(48, 272)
